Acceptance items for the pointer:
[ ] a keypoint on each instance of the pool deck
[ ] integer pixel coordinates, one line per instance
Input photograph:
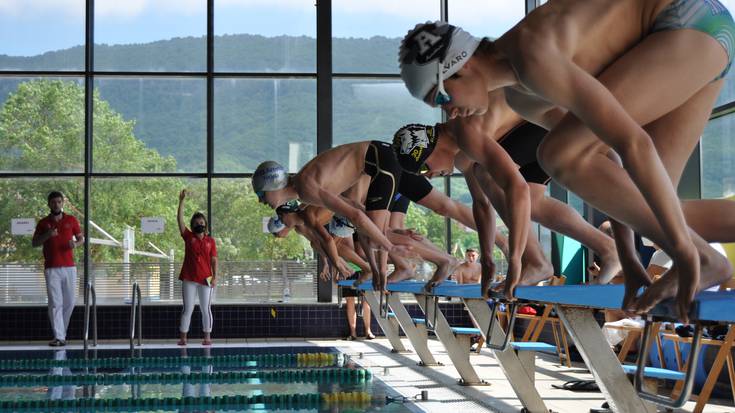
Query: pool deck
(407, 378)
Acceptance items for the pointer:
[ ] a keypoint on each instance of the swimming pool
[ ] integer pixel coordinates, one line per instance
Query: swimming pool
(197, 379)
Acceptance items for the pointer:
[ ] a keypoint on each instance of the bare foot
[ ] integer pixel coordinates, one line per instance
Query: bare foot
(537, 269)
(715, 269)
(444, 269)
(609, 268)
(400, 275)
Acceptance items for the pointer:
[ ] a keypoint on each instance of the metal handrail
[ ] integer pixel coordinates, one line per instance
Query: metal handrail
(358, 306)
(136, 319)
(339, 297)
(430, 321)
(90, 292)
(488, 335)
(383, 306)
(691, 368)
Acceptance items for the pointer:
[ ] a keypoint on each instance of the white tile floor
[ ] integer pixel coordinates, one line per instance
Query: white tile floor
(445, 395)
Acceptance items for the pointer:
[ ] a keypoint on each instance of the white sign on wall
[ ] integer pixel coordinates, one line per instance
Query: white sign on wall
(22, 226)
(152, 225)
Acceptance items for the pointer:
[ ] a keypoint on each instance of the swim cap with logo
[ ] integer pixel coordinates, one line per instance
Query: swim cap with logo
(428, 46)
(275, 225)
(413, 144)
(340, 227)
(289, 207)
(269, 176)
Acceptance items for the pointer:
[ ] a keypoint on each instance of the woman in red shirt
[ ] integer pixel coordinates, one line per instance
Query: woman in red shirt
(198, 273)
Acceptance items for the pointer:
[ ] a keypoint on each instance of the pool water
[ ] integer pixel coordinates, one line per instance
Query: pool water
(221, 379)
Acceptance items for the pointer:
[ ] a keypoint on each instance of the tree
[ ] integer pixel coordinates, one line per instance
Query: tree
(41, 129)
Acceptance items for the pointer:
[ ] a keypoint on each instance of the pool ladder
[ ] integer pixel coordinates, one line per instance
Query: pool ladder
(136, 320)
(89, 292)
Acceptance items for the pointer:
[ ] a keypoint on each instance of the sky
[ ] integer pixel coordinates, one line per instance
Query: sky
(31, 27)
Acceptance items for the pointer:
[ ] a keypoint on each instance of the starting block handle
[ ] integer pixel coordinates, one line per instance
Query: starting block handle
(688, 379)
(339, 297)
(488, 335)
(383, 306)
(431, 320)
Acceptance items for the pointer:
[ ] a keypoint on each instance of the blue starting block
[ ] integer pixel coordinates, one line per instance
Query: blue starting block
(573, 305)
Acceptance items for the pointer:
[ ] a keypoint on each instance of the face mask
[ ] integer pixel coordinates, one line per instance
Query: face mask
(61, 211)
(199, 229)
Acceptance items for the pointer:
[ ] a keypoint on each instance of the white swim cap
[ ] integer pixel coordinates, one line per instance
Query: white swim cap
(427, 46)
(269, 176)
(275, 225)
(340, 227)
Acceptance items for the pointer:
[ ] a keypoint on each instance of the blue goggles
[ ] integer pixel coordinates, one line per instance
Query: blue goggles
(260, 194)
(441, 97)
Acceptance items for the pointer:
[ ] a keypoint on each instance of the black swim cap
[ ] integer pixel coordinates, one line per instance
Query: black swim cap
(413, 144)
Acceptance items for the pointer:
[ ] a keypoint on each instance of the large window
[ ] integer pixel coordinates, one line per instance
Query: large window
(264, 36)
(150, 125)
(375, 110)
(718, 158)
(23, 203)
(41, 124)
(166, 108)
(42, 35)
(159, 36)
(264, 119)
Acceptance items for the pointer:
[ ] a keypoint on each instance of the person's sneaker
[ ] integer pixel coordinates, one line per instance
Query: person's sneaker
(56, 343)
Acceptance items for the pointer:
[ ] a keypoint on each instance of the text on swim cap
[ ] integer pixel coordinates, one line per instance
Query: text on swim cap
(457, 59)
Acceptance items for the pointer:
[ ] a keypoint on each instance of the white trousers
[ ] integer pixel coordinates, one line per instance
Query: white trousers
(189, 290)
(61, 285)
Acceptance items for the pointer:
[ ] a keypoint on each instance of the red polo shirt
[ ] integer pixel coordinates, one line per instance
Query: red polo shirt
(56, 250)
(198, 255)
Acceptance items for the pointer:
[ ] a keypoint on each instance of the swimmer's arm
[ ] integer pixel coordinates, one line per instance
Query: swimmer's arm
(180, 213)
(310, 216)
(562, 82)
(359, 219)
(482, 210)
(493, 159)
(328, 245)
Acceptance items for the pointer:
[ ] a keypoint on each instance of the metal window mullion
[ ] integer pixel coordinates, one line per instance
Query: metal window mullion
(88, 124)
(210, 108)
(324, 138)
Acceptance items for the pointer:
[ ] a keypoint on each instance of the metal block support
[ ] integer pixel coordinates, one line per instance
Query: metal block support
(601, 361)
(417, 335)
(460, 356)
(512, 367)
(389, 326)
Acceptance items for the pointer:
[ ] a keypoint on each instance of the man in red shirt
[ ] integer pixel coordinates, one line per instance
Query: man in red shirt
(59, 234)
(198, 273)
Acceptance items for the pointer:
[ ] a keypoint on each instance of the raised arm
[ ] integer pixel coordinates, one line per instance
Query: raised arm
(180, 213)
